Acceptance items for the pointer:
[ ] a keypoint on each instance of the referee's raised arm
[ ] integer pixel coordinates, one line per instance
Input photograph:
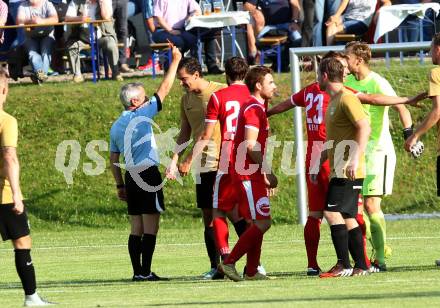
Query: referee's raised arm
(168, 80)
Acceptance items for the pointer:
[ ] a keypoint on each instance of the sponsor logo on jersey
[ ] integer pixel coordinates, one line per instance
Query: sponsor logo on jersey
(263, 206)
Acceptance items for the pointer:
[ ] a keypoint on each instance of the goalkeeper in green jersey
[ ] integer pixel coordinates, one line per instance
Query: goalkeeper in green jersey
(380, 156)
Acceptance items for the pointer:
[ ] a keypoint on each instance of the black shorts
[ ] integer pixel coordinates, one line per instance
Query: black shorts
(12, 226)
(205, 189)
(343, 196)
(438, 176)
(143, 200)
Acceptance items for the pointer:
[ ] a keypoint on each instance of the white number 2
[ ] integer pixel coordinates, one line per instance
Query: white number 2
(230, 127)
(318, 100)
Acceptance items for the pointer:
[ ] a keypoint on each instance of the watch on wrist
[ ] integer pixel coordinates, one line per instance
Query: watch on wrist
(295, 21)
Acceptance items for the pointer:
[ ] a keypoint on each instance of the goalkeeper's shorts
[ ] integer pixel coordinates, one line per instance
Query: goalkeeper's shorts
(380, 165)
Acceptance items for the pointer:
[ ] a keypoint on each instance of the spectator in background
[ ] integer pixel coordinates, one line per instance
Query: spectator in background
(3, 18)
(146, 7)
(323, 10)
(279, 16)
(57, 64)
(13, 6)
(352, 17)
(252, 29)
(410, 26)
(84, 10)
(308, 7)
(171, 17)
(121, 27)
(39, 40)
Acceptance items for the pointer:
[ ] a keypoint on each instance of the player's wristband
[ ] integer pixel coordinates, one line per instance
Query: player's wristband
(407, 132)
(119, 186)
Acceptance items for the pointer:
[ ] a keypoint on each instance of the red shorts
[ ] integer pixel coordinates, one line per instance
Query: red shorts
(226, 194)
(254, 200)
(317, 193)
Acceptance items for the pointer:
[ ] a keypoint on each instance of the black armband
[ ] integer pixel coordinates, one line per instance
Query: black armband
(407, 132)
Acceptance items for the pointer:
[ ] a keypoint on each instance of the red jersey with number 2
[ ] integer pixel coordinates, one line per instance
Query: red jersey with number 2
(224, 106)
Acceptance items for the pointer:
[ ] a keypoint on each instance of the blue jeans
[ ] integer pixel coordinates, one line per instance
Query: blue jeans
(323, 10)
(13, 10)
(184, 41)
(188, 41)
(352, 26)
(411, 27)
(39, 52)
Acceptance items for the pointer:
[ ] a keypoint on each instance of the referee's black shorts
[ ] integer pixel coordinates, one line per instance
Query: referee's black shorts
(13, 226)
(205, 190)
(343, 196)
(145, 198)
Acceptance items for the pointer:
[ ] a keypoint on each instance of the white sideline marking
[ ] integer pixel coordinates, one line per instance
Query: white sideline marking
(199, 244)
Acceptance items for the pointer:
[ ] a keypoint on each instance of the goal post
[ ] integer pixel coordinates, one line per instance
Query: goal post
(294, 54)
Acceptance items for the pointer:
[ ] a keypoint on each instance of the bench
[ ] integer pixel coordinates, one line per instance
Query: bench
(271, 45)
(345, 38)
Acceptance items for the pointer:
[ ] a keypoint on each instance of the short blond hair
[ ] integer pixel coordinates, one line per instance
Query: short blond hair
(359, 49)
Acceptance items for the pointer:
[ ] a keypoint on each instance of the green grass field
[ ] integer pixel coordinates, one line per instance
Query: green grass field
(81, 267)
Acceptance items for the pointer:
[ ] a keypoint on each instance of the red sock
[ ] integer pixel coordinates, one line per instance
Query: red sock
(360, 220)
(253, 256)
(311, 238)
(245, 243)
(221, 233)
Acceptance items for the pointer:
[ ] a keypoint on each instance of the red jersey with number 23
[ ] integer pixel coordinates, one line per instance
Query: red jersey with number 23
(315, 102)
(224, 106)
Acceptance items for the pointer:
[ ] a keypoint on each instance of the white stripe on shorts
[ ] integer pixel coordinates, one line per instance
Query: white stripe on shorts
(216, 185)
(248, 188)
(158, 208)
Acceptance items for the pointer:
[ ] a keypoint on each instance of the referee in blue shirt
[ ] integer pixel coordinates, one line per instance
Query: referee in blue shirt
(132, 135)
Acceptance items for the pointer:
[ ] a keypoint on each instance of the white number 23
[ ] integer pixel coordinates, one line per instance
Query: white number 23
(318, 101)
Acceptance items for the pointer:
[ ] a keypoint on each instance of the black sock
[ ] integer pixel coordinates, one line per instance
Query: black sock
(25, 270)
(148, 245)
(356, 247)
(135, 250)
(240, 227)
(340, 241)
(210, 247)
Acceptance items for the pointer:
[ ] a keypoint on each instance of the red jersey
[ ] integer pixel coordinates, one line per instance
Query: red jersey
(252, 116)
(316, 102)
(224, 106)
